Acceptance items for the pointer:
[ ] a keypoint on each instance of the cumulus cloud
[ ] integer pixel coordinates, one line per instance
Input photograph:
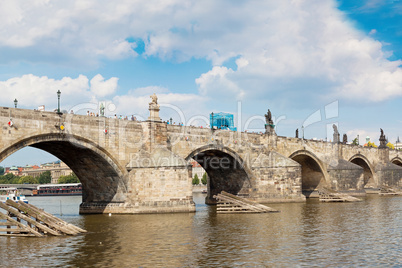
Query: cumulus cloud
(308, 48)
(32, 91)
(102, 88)
(218, 82)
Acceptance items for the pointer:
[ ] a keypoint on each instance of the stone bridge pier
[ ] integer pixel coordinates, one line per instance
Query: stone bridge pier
(144, 167)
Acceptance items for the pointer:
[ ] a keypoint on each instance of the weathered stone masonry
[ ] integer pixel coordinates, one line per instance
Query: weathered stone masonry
(143, 167)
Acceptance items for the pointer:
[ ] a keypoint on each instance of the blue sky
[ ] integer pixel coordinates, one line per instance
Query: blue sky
(312, 63)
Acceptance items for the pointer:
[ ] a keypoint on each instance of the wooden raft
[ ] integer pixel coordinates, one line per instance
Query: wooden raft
(27, 220)
(229, 203)
(327, 195)
(386, 190)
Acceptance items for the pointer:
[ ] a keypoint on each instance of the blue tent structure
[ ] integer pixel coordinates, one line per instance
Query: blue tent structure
(222, 121)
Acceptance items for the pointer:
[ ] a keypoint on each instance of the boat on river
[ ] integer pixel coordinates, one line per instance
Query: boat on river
(12, 194)
(58, 189)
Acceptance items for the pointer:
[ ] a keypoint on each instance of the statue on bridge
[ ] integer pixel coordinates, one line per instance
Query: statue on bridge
(154, 99)
(297, 133)
(336, 134)
(345, 139)
(269, 126)
(383, 140)
(268, 117)
(154, 109)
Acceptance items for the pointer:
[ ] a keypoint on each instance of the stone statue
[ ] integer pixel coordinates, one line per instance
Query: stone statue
(154, 99)
(297, 132)
(335, 129)
(336, 134)
(269, 126)
(345, 139)
(383, 140)
(268, 118)
(154, 109)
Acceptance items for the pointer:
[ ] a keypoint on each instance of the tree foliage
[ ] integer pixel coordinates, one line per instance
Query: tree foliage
(371, 144)
(27, 179)
(196, 180)
(9, 179)
(69, 179)
(204, 179)
(355, 142)
(1, 170)
(390, 145)
(45, 177)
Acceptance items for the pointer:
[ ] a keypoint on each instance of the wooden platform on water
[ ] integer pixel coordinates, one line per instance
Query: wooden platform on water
(386, 190)
(328, 195)
(27, 220)
(229, 203)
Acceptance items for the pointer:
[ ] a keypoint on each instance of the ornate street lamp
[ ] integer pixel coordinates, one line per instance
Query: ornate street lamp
(212, 120)
(15, 103)
(58, 98)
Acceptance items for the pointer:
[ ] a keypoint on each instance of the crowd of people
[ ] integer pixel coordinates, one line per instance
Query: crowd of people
(133, 118)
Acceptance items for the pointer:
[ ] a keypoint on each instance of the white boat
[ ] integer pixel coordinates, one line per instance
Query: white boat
(12, 194)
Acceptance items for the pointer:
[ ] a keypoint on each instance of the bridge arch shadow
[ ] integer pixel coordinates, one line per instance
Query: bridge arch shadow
(362, 161)
(313, 171)
(100, 174)
(225, 169)
(397, 161)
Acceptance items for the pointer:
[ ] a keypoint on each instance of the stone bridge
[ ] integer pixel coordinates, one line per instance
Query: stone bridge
(143, 167)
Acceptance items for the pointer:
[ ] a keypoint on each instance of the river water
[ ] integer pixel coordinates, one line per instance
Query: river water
(312, 234)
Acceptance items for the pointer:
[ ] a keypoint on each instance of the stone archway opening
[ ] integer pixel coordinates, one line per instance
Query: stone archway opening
(397, 162)
(368, 178)
(101, 179)
(225, 173)
(312, 174)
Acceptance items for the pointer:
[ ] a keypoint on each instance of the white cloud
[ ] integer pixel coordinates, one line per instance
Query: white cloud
(32, 91)
(303, 47)
(102, 88)
(217, 82)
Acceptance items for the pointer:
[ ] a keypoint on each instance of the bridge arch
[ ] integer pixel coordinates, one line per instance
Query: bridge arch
(397, 161)
(101, 175)
(225, 168)
(313, 171)
(362, 161)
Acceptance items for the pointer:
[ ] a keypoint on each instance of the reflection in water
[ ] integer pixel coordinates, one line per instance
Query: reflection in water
(303, 234)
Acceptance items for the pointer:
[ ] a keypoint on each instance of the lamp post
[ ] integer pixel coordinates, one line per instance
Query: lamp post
(15, 103)
(58, 103)
(212, 120)
(358, 139)
(303, 131)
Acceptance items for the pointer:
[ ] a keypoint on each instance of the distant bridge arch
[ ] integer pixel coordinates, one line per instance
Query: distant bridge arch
(362, 161)
(397, 161)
